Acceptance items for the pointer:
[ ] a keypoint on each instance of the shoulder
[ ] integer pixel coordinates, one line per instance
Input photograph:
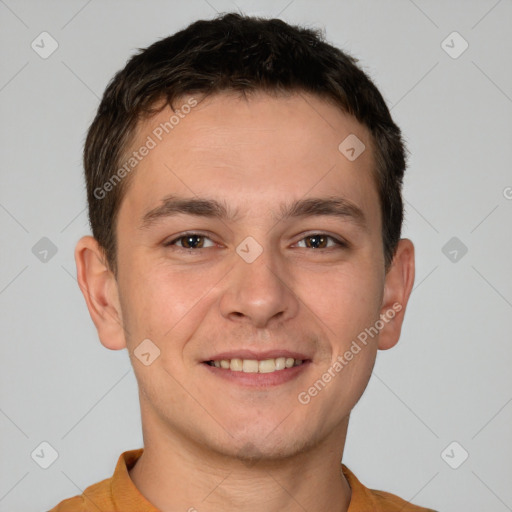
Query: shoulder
(94, 496)
(391, 503)
(105, 494)
(75, 504)
(378, 501)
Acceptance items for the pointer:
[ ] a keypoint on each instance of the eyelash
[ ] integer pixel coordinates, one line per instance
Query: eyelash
(340, 244)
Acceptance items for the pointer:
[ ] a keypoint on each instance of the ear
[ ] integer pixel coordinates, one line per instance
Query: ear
(397, 289)
(99, 287)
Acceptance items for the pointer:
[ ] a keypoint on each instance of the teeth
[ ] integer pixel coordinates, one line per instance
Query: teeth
(254, 366)
(250, 366)
(267, 366)
(236, 365)
(280, 363)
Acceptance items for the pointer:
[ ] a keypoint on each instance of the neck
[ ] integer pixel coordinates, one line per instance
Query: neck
(174, 473)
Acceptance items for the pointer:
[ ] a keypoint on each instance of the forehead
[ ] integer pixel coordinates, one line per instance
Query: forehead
(252, 153)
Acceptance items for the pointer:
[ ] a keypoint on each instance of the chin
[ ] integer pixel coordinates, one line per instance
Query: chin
(251, 447)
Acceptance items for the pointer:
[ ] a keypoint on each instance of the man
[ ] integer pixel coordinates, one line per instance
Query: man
(244, 187)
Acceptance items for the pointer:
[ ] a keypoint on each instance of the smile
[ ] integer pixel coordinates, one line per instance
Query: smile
(255, 366)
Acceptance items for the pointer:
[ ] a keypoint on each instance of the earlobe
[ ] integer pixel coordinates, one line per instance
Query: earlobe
(99, 287)
(397, 290)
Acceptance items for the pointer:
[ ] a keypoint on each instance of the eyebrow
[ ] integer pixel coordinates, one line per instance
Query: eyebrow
(332, 206)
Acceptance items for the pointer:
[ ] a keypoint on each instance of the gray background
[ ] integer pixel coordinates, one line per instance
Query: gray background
(447, 380)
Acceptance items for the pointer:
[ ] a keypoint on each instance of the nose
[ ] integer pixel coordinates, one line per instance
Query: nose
(259, 293)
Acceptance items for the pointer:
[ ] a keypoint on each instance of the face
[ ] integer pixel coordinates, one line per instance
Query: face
(248, 239)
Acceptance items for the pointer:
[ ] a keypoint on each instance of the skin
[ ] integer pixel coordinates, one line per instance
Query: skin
(200, 431)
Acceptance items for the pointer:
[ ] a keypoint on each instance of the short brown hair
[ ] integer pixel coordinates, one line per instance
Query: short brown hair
(236, 53)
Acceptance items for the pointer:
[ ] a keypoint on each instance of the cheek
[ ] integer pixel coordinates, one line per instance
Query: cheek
(165, 304)
(336, 389)
(346, 300)
(352, 312)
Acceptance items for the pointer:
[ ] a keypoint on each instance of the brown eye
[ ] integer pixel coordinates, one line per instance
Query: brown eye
(316, 241)
(320, 241)
(190, 241)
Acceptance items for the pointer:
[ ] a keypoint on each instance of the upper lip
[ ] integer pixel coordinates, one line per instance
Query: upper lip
(251, 354)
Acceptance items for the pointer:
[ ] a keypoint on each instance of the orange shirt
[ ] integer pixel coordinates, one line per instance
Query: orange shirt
(119, 494)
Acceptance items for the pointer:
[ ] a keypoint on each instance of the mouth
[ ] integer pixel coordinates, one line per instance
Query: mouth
(256, 366)
(258, 371)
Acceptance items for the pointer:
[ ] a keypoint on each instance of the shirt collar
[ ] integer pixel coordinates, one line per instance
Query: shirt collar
(125, 495)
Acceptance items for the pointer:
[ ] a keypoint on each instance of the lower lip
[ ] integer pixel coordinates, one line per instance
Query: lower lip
(259, 379)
